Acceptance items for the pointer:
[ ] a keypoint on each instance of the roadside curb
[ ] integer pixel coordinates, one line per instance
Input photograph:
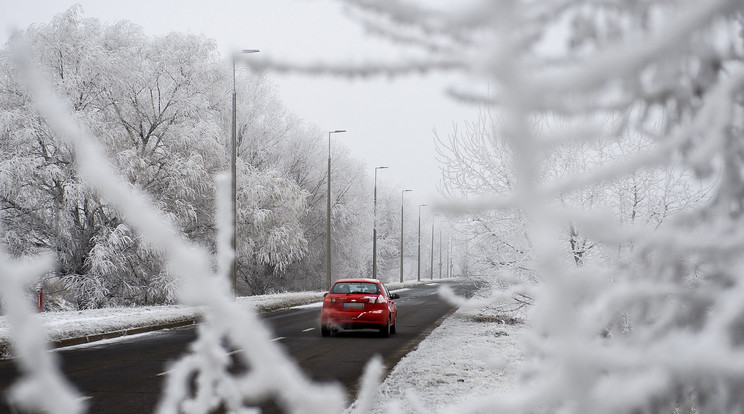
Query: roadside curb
(62, 343)
(6, 346)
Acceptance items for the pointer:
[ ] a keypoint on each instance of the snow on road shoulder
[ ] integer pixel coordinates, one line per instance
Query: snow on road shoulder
(472, 354)
(70, 324)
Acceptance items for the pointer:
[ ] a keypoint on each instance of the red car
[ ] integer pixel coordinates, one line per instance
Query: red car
(359, 304)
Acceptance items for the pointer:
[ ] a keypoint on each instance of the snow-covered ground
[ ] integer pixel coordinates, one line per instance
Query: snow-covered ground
(471, 354)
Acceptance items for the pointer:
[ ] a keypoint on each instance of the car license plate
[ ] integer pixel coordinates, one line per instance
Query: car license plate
(353, 305)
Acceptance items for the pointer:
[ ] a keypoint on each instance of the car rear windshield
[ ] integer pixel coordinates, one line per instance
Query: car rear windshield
(356, 288)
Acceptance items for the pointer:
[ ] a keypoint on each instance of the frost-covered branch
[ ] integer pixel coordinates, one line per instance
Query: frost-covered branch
(356, 69)
(41, 385)
(631, 57)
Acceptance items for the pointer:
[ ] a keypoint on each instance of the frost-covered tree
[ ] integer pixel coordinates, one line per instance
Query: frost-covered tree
(275, 142)
(351, 219)
(351, 212)
(388, 233)
(45, 206)
(151, 102)
(154, 104)
(270, 232)
(476, 160)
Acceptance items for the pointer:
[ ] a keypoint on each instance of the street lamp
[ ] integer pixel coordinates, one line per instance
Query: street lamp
(418, 260)
(374, 229)
(449, 257)
(401, 233)
(328, 213)
(234, 176)
(440, 250)
(431, 265)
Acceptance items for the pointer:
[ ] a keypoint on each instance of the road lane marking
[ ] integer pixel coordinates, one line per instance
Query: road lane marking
(278, 339)
(308, 329)
(309, 305)
(85, 398)
(163, 373)
(237, 351)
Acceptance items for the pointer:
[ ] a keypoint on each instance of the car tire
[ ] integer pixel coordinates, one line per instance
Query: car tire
(385, 330)
(324, 331)
(392, 328)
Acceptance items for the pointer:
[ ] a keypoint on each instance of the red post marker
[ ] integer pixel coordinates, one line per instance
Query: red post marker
(40, 291)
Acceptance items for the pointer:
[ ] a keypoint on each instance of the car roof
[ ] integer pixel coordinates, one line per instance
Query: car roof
(357, 280)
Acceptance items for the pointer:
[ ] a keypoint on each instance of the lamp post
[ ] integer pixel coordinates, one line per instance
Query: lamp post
(440, 250)
(431, 265)
(418, 260)
(449, 258)
(328, 213)
(449, 250)
(234, 176)
(374, 229)
(401, 233)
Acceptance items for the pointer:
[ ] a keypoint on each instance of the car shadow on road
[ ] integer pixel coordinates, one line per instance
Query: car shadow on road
(356, 333)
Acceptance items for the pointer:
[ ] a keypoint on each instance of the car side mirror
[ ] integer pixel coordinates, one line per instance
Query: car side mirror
(394, 296)
(325, 294)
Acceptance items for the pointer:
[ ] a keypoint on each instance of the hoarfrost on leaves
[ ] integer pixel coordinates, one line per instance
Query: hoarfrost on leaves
(41, 385)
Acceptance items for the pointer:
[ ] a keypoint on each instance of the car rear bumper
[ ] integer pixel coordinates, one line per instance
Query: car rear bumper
(354, 320)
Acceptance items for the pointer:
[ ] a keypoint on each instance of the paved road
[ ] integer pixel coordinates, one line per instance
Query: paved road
(126, 375)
